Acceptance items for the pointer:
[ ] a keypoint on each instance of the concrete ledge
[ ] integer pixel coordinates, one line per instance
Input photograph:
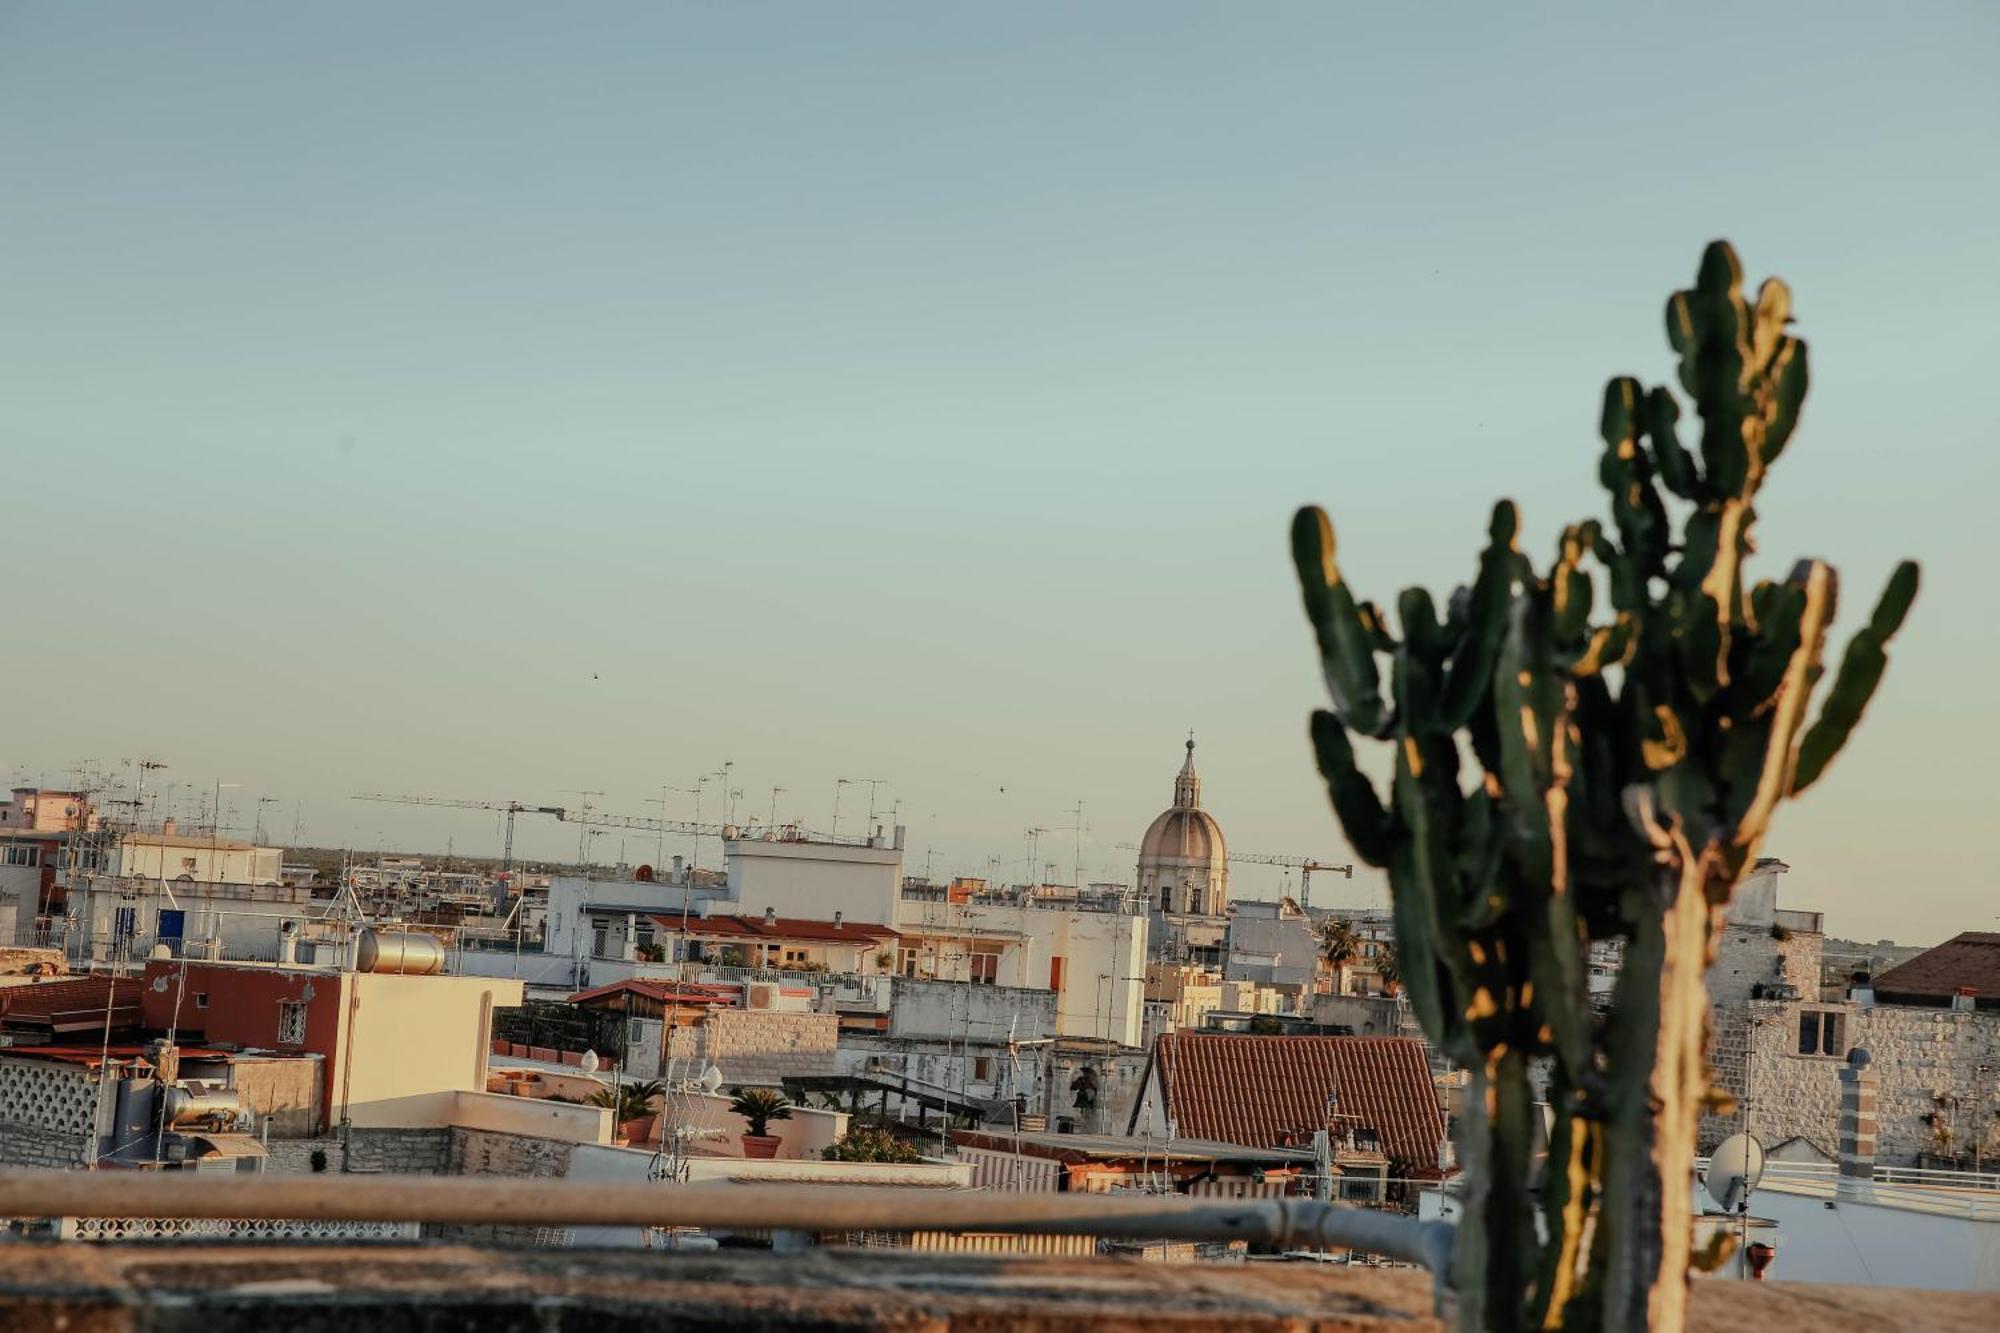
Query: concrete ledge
(238, 1288)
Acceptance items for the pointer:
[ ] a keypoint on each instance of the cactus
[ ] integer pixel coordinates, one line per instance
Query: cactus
(1633, 714)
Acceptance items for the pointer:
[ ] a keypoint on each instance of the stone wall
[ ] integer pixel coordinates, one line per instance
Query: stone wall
(482, 1152)
(34, 1146)
(759, 1046)
(294, 1156)
(1939, 1073)
(1750, 960)
(413, 1152)
(485, 1152)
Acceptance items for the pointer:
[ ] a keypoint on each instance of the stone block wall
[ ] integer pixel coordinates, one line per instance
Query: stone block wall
(1746, 956)
(758, 1046)
(294, 1156)
(34, 1146)
(413, 1152)
(1938, 1072)
(484, 1152)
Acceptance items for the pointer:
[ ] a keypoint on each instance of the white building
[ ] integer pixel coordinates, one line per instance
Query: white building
(1094, 961)
(193, 859)
(815, 880)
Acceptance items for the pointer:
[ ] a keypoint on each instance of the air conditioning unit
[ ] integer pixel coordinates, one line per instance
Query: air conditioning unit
(763, 995)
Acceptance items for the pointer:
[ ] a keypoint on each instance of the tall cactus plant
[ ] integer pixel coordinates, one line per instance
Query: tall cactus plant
(1632, 712)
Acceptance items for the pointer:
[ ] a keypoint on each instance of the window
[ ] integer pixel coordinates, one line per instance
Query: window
(982, 1068)
(23, 856)
(187, 865)
(1822, 1032)
(291, 1023)
(201, 999)
(983, 968)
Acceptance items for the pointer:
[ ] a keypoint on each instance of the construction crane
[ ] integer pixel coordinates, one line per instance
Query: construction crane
(511, 808)
(1305, 865)
(585, 819)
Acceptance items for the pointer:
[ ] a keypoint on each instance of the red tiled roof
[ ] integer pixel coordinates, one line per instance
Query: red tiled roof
(784, 928)
(92, 1056)
(663, 992)
(72, 1006)
(1273, 1091)
(1970, 960)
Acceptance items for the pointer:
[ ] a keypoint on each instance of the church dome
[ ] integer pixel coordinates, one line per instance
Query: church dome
(1183, 860)
(1183, 835)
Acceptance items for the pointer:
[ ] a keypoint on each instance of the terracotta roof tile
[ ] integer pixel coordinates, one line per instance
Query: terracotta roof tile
(685, 992)
(1274, 1091)
(784, 928)
(72, 1006)
(1970, 960)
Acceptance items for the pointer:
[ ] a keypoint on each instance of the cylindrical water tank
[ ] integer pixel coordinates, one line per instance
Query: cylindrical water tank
(191, 1106)
(410, 952)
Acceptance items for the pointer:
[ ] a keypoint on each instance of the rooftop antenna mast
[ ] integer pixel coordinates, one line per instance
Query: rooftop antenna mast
(262, 801)
(583, 835)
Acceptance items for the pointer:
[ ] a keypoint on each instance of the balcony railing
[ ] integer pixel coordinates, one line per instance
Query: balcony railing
(335, 1200)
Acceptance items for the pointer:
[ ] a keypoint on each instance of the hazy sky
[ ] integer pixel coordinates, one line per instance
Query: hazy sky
(501, 401)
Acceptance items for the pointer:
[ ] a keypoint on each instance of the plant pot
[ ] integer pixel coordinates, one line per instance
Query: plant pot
(761, 1146)
(637, 1130)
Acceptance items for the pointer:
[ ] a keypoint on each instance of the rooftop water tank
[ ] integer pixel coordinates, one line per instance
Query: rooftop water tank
(406, 952)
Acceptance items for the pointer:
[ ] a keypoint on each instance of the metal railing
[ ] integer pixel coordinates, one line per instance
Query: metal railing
(1281, 1223)
(1969, 1194)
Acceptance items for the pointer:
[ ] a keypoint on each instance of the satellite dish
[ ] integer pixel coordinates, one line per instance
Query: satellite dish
(1734, 1170)
(711, 1078)
(589, 1062)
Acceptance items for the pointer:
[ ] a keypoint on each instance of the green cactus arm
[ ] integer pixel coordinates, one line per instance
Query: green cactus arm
(1608, 646)
(1861, 668)
(1425, 978)
(1676, 465)
(1784, 397)
(1422, 632)
(1346, 644)
(1471, 667)
(1777, 608)
(1626, 474)
(1571, 592)
(1775, 777)
(1376, 625)
(1369, 828)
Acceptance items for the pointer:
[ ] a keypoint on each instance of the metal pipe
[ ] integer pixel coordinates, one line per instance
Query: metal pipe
(472, 1201)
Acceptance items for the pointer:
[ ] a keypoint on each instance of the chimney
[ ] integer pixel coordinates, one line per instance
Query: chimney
(678, 872)
(167, 828)
(836, 920)
(1964, 1000)
(770, 916)
(1857, 1124)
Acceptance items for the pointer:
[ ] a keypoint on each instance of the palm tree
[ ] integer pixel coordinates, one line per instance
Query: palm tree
(760, 1106)
(1338, 942)
(632, 1101)
(1388, 968)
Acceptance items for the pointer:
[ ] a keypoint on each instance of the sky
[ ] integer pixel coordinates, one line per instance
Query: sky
(508, 401)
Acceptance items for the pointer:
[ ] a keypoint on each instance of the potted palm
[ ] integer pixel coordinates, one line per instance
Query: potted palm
(759, 1107)
(631, 1106)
